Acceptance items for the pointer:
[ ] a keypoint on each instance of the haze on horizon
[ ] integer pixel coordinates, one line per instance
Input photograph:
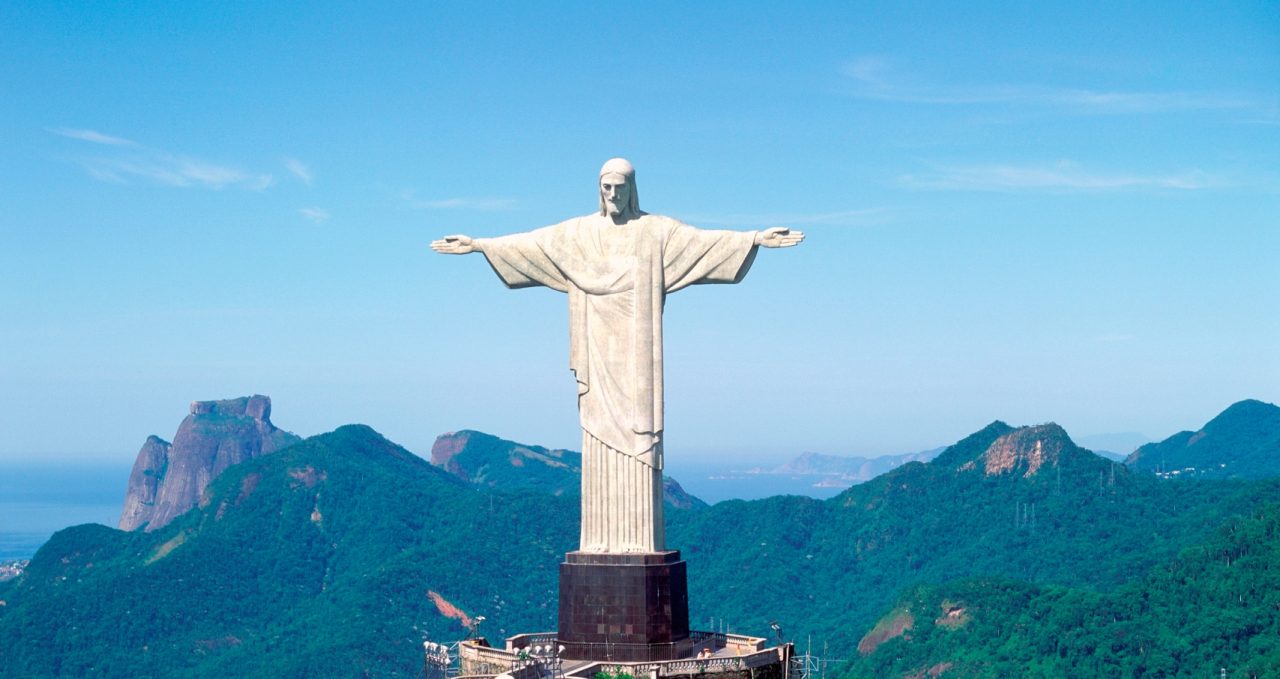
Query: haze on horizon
(1025, 213)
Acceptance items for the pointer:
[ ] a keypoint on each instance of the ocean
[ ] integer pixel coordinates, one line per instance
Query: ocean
(39, 499)
(717, 483)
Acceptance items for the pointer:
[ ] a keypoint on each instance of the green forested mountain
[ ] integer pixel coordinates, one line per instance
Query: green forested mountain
(491, 462)
(488, 461)
(336, 556)
(332, 558)
(1023, 503)
(1242, 442)
(1215, 606)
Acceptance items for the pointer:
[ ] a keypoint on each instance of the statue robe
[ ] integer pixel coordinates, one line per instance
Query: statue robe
(617, 279)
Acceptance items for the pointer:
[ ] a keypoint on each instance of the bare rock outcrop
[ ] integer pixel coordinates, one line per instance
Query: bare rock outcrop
(144, 482)
(168, 478)
(1024, 451)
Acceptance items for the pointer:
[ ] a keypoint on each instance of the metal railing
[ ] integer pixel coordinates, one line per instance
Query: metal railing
(669, 668)
(520, 641)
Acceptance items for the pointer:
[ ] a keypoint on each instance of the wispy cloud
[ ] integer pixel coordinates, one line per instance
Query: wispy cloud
(299, 169)
(173, 171)
(481, 204)
(92, 136)
(131, 161)
(875, 78)
(861, 217)
(315, 214)
(1063, 176)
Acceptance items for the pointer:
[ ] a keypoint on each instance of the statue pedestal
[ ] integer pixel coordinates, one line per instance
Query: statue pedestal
(624, 607)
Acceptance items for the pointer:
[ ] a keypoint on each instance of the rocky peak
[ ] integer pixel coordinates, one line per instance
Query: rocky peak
(1023, 451)
(257, 407)
(144, 482)
(446, 447)
(168, 478)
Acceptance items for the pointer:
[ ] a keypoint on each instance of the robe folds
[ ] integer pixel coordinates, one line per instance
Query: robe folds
(617, 278)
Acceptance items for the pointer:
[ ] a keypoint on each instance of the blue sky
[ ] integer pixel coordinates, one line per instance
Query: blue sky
(1032, 212)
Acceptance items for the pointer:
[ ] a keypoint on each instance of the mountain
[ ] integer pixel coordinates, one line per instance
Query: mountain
(168, 478)
(1013, 502)
(1242, 442)
(338, 555)
(330, 558)
(488, 461)
(675, 496)
(1216, 605)
(485, 460)
(1110, 454)
(850, 469)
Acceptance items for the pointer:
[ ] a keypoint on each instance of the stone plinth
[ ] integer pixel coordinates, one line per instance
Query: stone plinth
(624, 607)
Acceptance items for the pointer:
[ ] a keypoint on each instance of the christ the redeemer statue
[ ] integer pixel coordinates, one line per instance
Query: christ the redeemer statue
(618, 265)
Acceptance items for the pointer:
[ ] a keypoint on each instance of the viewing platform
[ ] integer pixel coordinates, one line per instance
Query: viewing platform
(538, 656)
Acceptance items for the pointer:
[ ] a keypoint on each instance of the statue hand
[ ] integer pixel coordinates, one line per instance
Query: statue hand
(454, 245)
(778, 237)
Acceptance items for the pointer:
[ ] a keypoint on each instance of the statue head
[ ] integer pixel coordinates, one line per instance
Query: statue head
(618, 196)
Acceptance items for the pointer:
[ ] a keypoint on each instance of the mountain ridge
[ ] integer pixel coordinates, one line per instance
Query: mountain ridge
(1243, 441)
(490, 461)
(346, 550)
(331, 548)
(1215, 605)
(846, 468)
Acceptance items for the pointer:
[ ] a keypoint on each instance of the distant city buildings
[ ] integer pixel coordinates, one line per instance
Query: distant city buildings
(12, 569)
(1185, 471)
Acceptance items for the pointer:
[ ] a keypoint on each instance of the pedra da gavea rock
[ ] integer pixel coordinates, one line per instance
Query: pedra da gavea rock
(168, 478)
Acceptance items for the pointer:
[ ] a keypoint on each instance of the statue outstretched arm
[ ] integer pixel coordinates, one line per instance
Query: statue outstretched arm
(521, 260)
(779, 237)
(457, 245)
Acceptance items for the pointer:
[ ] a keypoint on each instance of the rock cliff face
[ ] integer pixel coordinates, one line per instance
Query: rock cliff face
(1023, 452)
(144, 482)
(168, 478)
(1026, 450)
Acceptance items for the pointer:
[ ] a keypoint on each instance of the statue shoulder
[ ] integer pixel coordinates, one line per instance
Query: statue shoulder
(662, 222)
(560, 229)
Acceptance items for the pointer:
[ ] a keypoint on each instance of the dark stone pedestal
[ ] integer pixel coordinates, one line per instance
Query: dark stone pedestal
(624, 607)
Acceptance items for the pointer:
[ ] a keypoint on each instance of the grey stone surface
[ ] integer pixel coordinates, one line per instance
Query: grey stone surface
(167, 479)
(144, 483)
(617, 266)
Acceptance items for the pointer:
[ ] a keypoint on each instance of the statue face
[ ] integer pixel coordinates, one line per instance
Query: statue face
(616, 193)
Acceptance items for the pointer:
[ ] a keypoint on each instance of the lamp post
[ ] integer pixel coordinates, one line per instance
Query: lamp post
(545, 659)
(436, 660)
(474, 627)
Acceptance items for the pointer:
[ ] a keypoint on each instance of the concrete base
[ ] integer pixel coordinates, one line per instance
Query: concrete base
(624, 607)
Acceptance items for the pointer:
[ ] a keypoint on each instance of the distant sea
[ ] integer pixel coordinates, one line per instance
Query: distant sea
(39, 499)
(713, 484)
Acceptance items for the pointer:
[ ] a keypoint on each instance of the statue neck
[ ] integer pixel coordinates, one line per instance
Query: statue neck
(623, 218)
